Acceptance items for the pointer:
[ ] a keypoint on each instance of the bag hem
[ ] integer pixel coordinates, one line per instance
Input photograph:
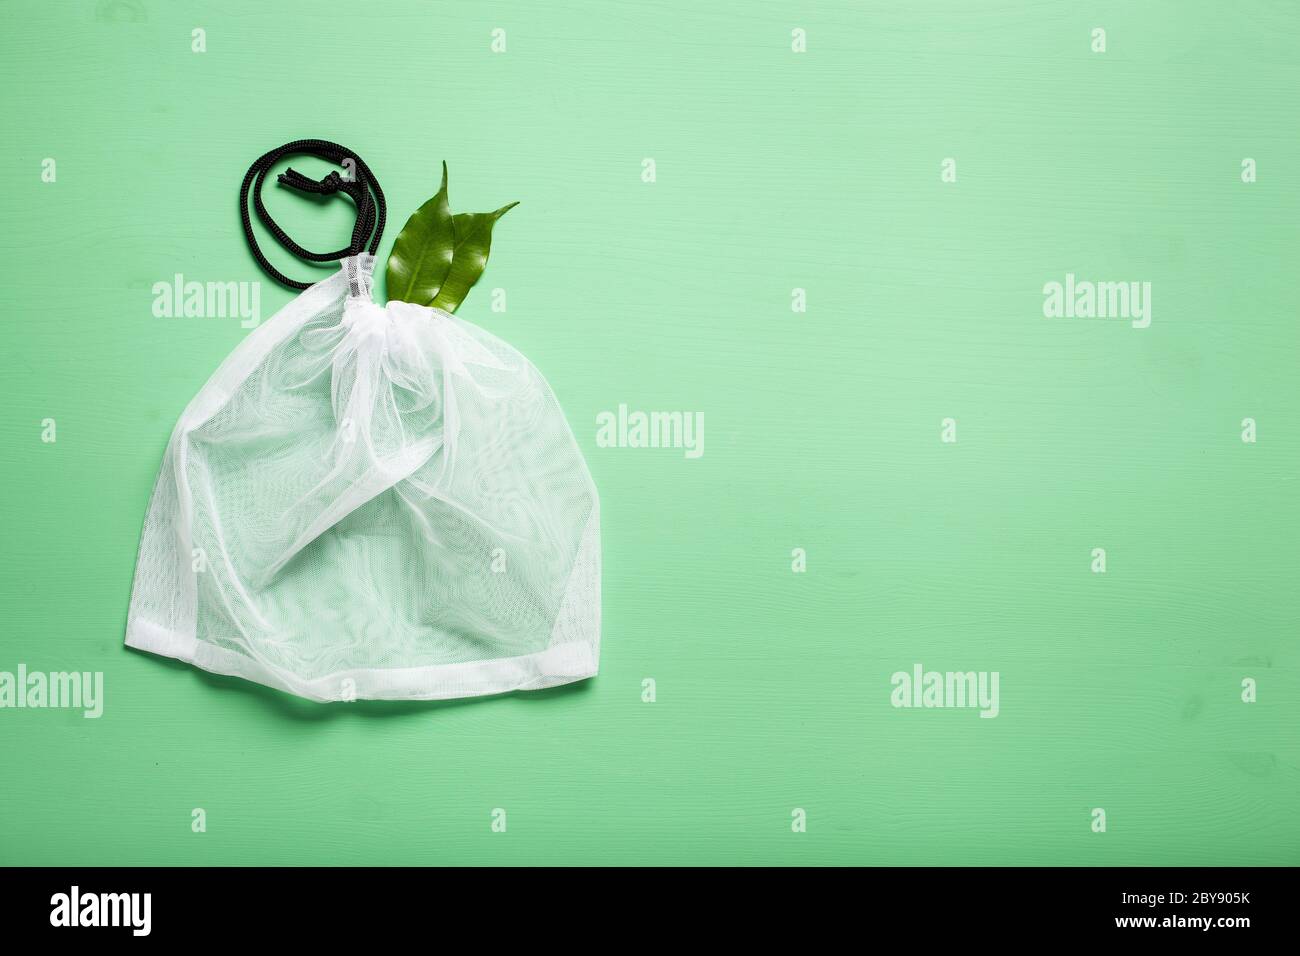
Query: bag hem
(557, 665)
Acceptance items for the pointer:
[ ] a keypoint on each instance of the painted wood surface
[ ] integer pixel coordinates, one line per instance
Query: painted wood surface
(775, 171)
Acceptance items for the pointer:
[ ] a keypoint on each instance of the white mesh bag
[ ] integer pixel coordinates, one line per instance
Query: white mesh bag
(371, 501)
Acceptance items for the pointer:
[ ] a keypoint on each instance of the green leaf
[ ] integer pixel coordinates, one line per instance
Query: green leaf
(422, 254)
(473, 243)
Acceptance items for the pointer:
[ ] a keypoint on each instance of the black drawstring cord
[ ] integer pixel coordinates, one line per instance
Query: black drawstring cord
(371, 211)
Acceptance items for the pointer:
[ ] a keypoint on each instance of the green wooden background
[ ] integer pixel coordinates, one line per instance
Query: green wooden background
(776, 170)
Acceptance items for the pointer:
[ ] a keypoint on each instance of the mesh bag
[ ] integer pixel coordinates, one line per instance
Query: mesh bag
(372, 501)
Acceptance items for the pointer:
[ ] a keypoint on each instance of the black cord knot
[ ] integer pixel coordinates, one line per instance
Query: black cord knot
(325, 186)
(361, 189)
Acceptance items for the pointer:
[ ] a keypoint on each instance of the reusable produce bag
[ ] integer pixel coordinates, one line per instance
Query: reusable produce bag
(370, 501)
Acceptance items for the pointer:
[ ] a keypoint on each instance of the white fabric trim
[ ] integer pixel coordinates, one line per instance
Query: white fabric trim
(560, 664)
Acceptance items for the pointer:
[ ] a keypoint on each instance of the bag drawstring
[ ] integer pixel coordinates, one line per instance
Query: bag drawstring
(362, 189)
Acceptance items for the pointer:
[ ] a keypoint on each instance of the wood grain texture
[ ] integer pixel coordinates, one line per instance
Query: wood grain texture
(775, 171)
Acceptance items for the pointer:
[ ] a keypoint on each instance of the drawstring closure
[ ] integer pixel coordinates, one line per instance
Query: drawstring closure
(363, 190)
